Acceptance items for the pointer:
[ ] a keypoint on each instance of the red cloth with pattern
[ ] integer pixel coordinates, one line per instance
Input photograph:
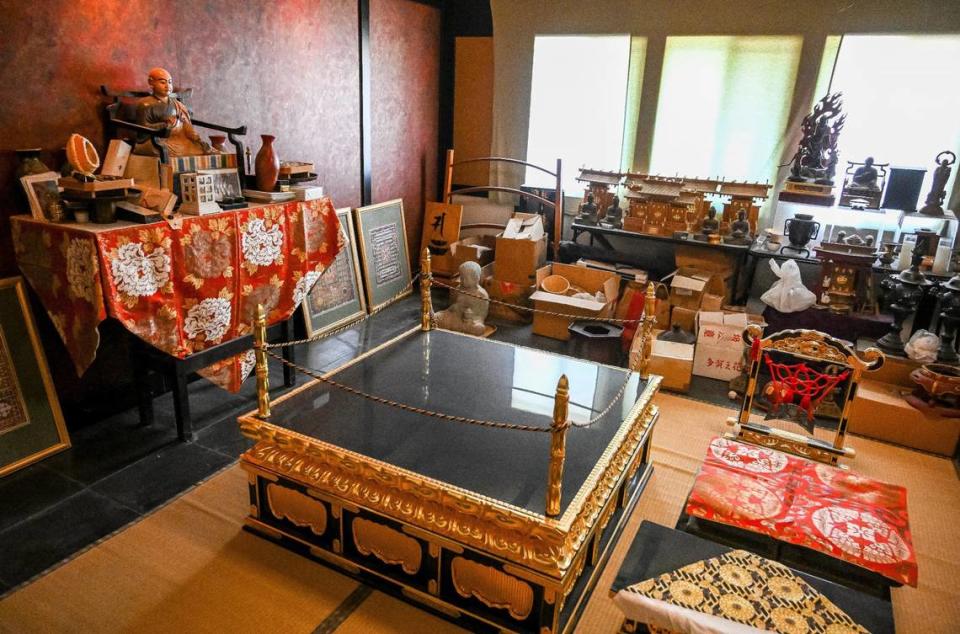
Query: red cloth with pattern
(795, 500)
(180, 289)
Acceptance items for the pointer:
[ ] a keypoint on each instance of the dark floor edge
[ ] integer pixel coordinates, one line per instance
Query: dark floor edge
(117, 531)
(343, 611)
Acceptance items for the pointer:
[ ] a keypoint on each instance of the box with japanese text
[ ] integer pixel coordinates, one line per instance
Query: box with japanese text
(719, 353)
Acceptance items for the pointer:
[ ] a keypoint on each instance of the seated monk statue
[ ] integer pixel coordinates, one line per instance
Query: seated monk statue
(159, 110)
(710, 223)
(865, 176)
(468, 312)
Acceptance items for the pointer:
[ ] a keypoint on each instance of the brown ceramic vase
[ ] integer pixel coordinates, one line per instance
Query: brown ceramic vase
(267, 165)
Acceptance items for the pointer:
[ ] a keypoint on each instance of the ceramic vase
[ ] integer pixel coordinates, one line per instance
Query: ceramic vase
(267, 165)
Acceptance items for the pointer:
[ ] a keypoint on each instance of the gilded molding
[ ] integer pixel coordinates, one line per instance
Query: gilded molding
(387, 544)
(546, 545)
(493, 588)
(797, 448)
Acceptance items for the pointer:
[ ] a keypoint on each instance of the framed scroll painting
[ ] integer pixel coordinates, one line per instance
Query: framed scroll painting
(337, 298)
(31, 423)
(383, 249)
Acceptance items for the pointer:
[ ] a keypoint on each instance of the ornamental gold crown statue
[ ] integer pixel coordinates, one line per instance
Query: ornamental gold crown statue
(161, 110)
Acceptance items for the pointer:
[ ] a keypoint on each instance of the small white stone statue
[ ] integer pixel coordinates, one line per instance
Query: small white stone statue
(467, 312)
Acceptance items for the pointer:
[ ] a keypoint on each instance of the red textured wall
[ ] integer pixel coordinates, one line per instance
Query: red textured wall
(405, 56)
(283, 67)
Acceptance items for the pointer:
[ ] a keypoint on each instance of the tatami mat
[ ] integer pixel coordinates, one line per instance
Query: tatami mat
(190, 568)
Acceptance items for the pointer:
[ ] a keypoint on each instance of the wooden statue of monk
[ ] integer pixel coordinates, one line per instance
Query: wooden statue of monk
(160, 110)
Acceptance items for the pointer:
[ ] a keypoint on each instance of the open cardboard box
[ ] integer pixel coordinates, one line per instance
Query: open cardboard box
(520, 250)
(478, 249)
(510, 293)
(721, 263)
(689, 285)
(879, 411)
(590, 281)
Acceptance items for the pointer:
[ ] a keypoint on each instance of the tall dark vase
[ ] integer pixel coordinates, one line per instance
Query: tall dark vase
(267, 165)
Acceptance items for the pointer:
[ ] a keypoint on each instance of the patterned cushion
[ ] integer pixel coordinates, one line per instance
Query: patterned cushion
(836, 512)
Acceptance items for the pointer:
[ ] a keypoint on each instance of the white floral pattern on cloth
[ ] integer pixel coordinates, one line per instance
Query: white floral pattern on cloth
(861, 534)
(260, 245)
(247, 362)
(82, 269)
(211, 318)
(304, 284)
(753, 459)
(137, 273)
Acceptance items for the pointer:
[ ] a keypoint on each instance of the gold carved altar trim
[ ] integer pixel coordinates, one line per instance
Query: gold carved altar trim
(300, 509)
(387, 544)
(493, 588)
(543, 544)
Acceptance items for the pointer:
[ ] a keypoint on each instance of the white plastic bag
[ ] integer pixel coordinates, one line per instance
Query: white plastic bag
(788, 294)
(923, 346)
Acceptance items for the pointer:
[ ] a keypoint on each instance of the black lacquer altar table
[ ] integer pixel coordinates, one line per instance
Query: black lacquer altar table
(472, 521)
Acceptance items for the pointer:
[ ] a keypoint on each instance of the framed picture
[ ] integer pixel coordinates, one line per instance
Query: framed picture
(383, 250)
(337, 297)
(31, 424)
(226, 184)
(43, 192)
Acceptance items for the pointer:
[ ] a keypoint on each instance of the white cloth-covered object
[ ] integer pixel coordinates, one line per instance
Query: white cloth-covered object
(788, 294)
(923, 346)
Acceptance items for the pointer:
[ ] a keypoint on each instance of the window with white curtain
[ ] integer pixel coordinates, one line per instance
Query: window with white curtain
(901, 95)
(723, 105)
(578, 96)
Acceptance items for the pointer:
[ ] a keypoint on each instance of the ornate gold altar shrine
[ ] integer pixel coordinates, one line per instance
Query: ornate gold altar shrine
(379, 469)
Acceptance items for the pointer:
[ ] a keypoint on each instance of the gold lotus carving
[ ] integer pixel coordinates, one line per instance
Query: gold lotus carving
(300, 509)
(387, 544)
(493, 588)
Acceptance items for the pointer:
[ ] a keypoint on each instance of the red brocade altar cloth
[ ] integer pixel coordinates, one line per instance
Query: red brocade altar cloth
(798, 501)
(180, 289)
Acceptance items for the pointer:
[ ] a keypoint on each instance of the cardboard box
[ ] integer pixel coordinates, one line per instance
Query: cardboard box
(879, 411)
(895, 370)
(521, 249)
(719, 353)
(711, 302)
(721, 263)
(509, 292)
(590, 281)
(674, 362)
(684, 317)
(688, 286)
(477, 249)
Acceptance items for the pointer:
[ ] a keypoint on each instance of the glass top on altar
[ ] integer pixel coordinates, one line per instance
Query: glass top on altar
(476, 378)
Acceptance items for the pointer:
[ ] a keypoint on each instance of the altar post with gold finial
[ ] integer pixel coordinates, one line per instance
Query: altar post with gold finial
(260, 353)
(426, 303)
(558, 445)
